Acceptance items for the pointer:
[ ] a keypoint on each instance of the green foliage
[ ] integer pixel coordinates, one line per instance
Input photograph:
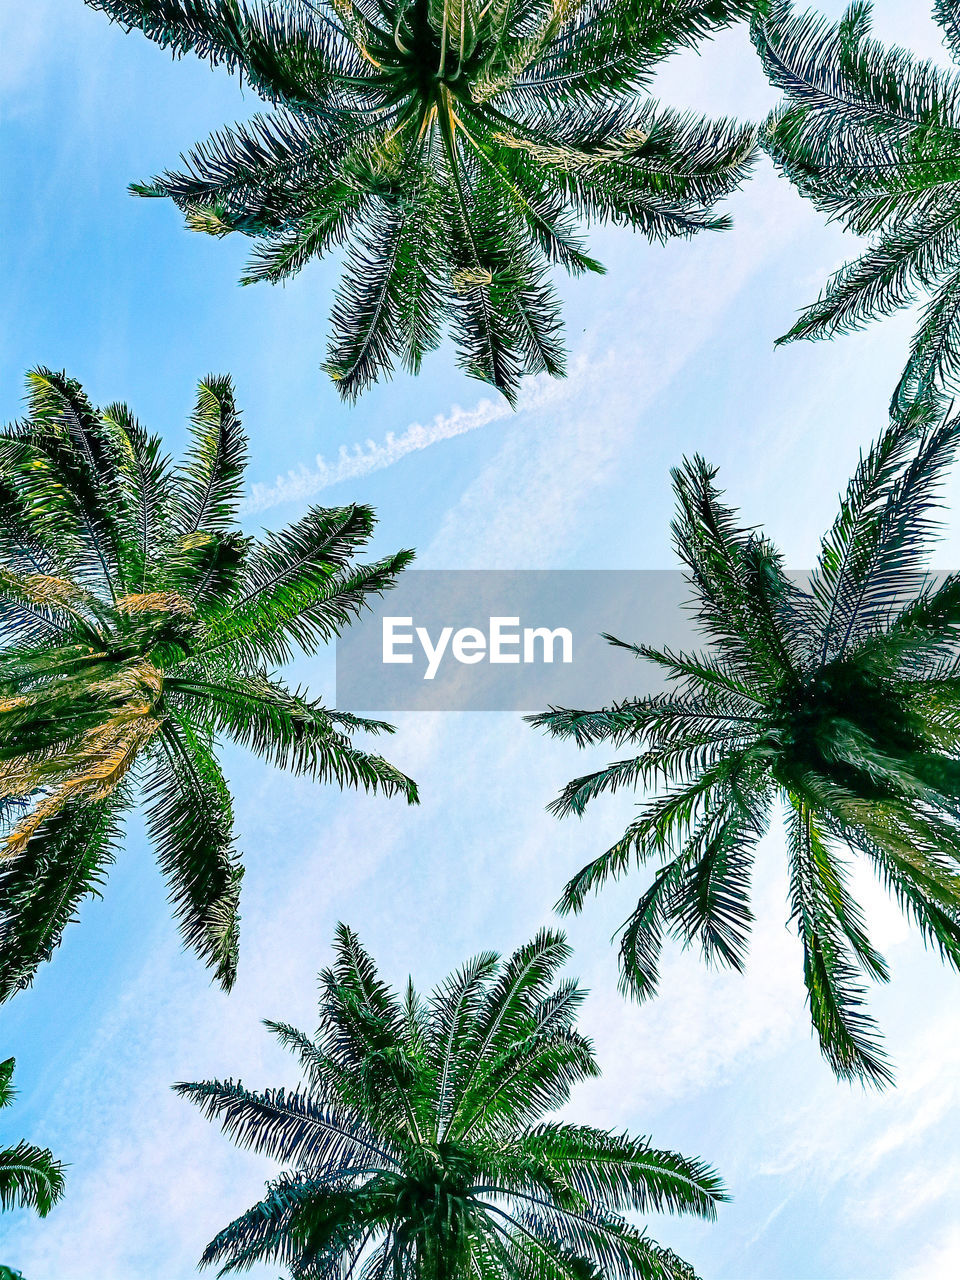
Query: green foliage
(871, 136)
(840, 698)
(30, 1178)
(418, 1145)
(455, 148)
(139, 629)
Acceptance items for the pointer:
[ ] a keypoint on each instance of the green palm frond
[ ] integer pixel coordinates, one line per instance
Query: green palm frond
(871, 135)
(947, 14)
(418, 1145)
(209, 485)
(836, 697)
(288, 1126)
(138, 628)
(455, 151)
(30, 1177)
(625, 1173)
(848, 1036)
(390, 299)
(873, 561)
(301, 587)
(190, 820)
(287, 729)
(41, 889)
(80, 451)
(7, 1091)
(148, 496)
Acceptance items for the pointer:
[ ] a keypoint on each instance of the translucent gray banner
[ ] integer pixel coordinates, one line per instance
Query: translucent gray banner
(465, 640)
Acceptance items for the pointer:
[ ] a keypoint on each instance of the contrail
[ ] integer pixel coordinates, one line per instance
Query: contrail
(373, 455)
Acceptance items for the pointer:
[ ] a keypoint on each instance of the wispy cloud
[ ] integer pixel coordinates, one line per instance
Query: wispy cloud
(373, 455)
(940, 1261)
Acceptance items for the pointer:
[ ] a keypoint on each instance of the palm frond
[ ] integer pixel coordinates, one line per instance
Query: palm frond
(848, 1036)
(387, 262)
(299, 587)
(286, 729)
(83, 452)
(947, 15)
(30, 1178)
(209, 484)
(289, 1126)
(190, 819)
(285, 56)
(623, 1173)
(873, 560)
(871, 136)
(41, 888)
(147, 498)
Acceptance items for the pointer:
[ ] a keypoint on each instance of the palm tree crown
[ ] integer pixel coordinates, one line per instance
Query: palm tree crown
(454, 146)
(839, 698)
(138, 627)
(30, 1178)
(872, 136)
(419, 1147)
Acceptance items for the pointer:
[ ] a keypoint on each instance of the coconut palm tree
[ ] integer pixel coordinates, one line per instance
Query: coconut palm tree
(138, 628)
(454, 147)
(839, 698)
(418, 1146)
(30, 1178)
(871, 135)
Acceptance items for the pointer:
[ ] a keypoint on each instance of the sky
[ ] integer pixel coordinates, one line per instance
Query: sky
(671, 352)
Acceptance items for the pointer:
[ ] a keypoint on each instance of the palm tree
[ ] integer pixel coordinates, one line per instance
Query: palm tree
(138, 628)
(453, 147)
(838, 698)
(418, 1146)
(30, 1178)
(872, 136)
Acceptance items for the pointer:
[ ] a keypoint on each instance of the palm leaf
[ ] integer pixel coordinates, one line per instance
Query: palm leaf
(209, 482)
(870, 136)
(41, 888)
(848, 1036)
(190, 819)
(30, 1178)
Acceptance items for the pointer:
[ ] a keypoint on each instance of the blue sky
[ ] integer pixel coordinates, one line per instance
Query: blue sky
(671, 351)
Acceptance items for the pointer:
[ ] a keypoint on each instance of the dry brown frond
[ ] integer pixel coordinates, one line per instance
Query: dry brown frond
(207, 220)
(43, 590)
(102, 759)
(157, 602)
(472, 278)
